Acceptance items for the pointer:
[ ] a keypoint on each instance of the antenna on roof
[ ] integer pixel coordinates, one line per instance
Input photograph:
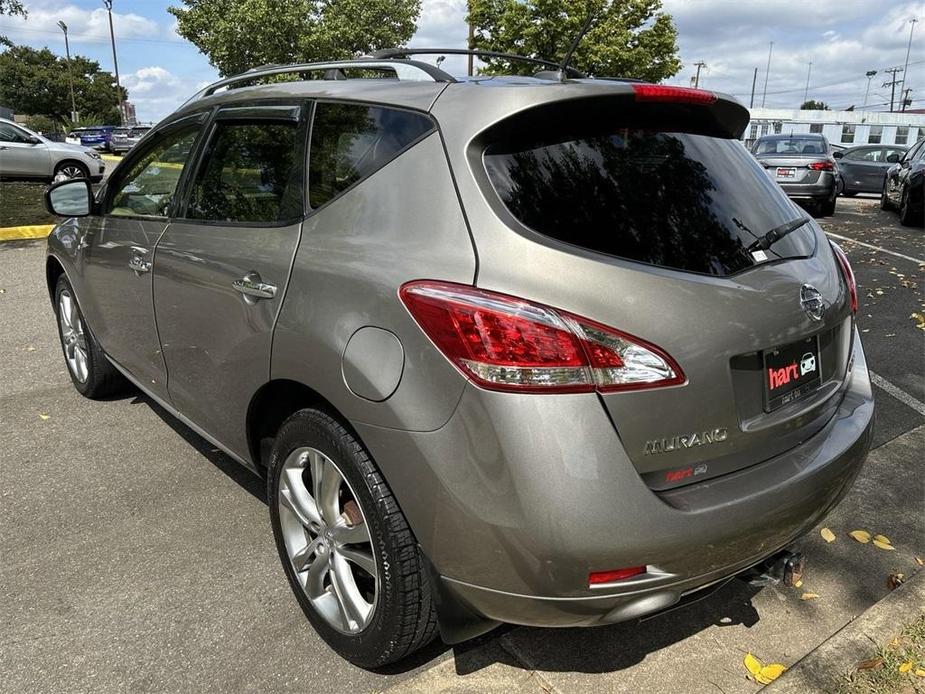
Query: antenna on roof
(571, 51)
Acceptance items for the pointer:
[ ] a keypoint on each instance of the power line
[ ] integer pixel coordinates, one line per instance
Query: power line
(820, 86)
(87, 38)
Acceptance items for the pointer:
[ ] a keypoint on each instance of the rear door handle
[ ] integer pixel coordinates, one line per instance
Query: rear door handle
(252, 286)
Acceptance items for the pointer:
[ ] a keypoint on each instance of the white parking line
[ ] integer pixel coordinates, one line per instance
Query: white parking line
(897, 393)
(876, 248)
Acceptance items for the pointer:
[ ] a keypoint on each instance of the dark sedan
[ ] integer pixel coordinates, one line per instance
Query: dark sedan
(904, 187)
(803, 165)
(864, 168)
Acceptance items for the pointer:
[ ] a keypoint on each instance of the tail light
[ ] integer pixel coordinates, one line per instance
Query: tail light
(849, 275)
(682, 95)
(822, 166)
(504, 343)
(596, 578)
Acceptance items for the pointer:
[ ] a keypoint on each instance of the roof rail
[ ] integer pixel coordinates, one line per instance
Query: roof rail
(405, 70)
(388, 53)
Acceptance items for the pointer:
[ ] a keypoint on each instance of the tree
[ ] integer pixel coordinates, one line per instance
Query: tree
(34, 81)
(10, 7)
(813, 105)
(237, 35)
(628, 38)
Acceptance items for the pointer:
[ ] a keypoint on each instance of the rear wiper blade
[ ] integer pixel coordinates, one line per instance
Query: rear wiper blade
(768, 239)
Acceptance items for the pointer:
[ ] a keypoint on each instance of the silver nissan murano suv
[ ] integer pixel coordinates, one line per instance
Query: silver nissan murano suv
(545, 350)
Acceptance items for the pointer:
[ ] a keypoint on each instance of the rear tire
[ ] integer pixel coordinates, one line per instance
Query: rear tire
(826, 207)
(91, 373)
(354, 530)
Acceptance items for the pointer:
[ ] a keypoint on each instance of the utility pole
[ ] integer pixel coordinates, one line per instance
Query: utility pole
(699, 65)
(115, 61)
(751, 102)
(906, 64)
(471, 37)
(70, 74)
(906, 100)
(808, 73)
(764, 93)
(893, 71)
(869, 74)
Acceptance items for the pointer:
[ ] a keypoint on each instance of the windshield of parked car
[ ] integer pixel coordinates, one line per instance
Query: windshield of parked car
(676, 200)
(790, 145)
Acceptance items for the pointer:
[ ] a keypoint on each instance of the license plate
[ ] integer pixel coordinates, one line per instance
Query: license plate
(788, 172)
(790, 372)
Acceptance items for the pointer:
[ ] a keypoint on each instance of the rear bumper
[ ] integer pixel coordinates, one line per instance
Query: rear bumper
(517, 498)
(823, 188)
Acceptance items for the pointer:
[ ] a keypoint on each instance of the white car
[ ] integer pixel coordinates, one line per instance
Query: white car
(27, 155)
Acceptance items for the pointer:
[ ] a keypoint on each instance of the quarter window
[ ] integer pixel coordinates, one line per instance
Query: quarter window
(350, 142)
(249, 173)
(147, 188)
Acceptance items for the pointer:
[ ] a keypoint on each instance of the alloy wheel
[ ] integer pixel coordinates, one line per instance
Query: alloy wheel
(71, 171)
(327, 540)
(73, 337)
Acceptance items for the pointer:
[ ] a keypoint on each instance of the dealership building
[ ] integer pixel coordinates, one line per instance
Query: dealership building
(843, 128)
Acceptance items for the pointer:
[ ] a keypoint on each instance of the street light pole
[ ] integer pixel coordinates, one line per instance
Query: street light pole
(808, 73)
(906, 65)
(869, 74)
(699, 65)
(764, 93)
(70, 74)
(115, 60)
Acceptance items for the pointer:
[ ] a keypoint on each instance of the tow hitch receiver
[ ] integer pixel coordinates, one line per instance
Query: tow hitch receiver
(785, 567)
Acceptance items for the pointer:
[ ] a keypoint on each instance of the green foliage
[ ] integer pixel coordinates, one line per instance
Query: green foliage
(237, 35)
(813, 105)
(35, 82)
(629, 38)
(12, 7)
(42, 124)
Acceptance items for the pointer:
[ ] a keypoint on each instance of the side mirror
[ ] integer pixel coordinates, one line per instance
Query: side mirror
(893, 158)
(838, 154)
(71, 198)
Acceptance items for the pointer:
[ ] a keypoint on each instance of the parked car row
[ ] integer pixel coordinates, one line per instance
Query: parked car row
(903, 188)
(108, 138)
(804, 166)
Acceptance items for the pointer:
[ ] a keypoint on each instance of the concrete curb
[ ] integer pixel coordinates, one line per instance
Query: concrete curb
(839, 655)
(31, 231)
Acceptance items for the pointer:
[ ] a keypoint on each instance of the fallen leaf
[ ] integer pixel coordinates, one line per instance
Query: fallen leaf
(861, 536)
(882, 538)
(895, 581)
(920, 561)
(905, 667)
(43, 417)
(798, 584)
(884, 545)
(769, 673)
(871, 664)
(808, 596)
(919, 672)
(894, 643)
(752, 664)
(827, 535)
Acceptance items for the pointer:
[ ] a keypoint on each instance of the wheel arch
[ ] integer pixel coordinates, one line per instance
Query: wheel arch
(69, 160)
(53, 271)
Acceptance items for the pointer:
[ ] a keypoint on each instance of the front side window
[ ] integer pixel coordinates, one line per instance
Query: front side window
(875, 134)
(249, 173)
(351, 141)
(863, 155)
(9, 133)
(847, 133)
(147, 188)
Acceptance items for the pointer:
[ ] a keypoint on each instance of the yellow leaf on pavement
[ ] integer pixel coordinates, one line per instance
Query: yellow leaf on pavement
(882, 538)
(905, 667)
(769, 673)
(752, 664)
(808, 596)
(861, 536)
(884, 545)
(920, 561)
(798, 584)
(827, 535)
(919, 672)
(43, 417)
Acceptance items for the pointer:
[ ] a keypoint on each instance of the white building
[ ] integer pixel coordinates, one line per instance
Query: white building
(845, 128)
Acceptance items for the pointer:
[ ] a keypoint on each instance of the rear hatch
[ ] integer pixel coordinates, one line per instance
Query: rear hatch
(675, 208)
(794, 159)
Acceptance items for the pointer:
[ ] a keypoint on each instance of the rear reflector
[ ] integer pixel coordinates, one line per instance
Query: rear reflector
(598, 577)
(848, 274)
(822, 166)
(504, 343)
(682, 95)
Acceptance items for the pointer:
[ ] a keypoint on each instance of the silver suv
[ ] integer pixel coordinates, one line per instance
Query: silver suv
(27, 155)
(540, 350)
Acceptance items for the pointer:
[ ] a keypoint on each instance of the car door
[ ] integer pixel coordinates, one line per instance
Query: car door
(135, 209)
(21, 154)
(897, 180)
(221, 270)
(861, 169)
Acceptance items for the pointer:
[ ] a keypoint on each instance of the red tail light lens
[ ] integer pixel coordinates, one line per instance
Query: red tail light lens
(664, 94)
(596, 578)
(849, 275)
(504, 343)
(822, 166)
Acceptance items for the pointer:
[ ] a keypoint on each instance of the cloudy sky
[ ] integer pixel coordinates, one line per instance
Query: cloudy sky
(842, 38)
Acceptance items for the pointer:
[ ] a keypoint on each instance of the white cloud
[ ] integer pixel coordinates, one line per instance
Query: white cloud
(156, 92)
(82, 25)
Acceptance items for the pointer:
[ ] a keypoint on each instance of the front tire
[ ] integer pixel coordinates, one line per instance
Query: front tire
(71, 169)
(346, 548)
(91, 373)
(907, 217)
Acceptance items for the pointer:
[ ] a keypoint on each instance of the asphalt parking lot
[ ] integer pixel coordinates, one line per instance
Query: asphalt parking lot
(136, 557)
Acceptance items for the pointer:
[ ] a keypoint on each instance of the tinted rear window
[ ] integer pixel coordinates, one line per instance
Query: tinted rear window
(790, 145)
(676, 200)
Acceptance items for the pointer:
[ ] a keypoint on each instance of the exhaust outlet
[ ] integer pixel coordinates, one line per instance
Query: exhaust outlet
(784, 567)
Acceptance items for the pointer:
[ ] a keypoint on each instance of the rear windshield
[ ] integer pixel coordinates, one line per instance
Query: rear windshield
(676, 200)
(790, 145)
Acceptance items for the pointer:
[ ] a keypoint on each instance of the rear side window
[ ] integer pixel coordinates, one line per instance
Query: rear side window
(249, 173)
(351, 141)
(673, 199)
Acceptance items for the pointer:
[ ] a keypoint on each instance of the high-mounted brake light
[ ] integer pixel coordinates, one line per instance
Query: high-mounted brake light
(822, 166)
(848, 275)
(665, 94)
(504, 343)
(596, 578)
